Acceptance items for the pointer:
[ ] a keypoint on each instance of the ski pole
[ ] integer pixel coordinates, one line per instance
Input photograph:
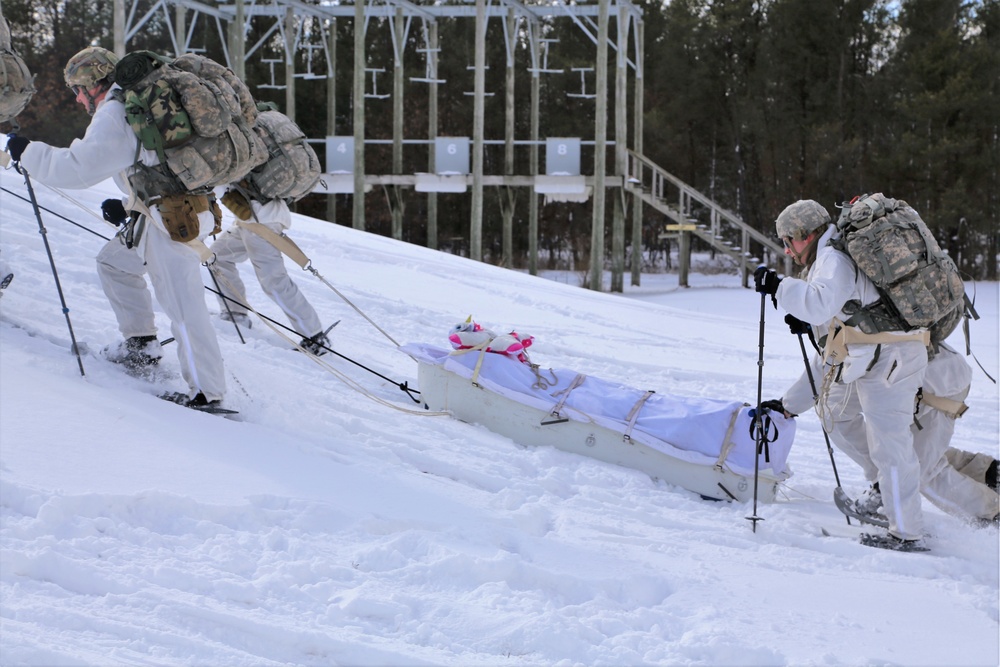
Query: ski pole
(758, 415)
(812, 385)
(232, 318)
(52, 263)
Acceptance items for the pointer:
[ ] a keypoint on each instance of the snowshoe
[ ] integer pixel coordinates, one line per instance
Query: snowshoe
(857, 509)
(892, 543)
(198, 402)
(318, 344)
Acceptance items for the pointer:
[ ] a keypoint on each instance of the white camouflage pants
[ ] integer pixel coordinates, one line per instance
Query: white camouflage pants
(122, 274)
(948, 376)
(175, 271)
(871, 423)
(237, 245)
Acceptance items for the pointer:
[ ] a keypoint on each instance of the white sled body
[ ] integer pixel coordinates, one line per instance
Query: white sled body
(447, 384)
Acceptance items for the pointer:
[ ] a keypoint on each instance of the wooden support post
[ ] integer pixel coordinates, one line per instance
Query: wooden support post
(289, 62)
(600, 150)
(683, 258)
(479, 106)
(180, 30)
(331, 105)
(237, 52)
(536, 78)
(637, 129)
(118, 22)
(396, 204)
(508, 193)
(359, 116)
(621, 139)
(432, 133)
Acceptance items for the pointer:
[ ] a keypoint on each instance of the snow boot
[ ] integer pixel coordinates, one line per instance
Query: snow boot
(991, 477)
(242, 319)
(137, 354)
(892, 543)
(869, 503)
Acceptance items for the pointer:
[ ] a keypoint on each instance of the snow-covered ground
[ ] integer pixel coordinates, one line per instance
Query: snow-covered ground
(329, 528)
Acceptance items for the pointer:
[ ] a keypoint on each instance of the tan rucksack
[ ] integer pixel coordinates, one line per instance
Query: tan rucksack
(16, 82)
(292, 169)
(196, 115)
(919, 284)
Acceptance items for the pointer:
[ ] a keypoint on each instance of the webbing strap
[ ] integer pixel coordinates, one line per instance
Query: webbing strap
(841, 336)
(727, 442)
(279, 241)
(577, 381)
(952, 408)
(633, 415)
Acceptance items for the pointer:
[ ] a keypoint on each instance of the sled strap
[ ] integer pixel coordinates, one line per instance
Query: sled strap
(633, 415)
(479, 363)
(556, 410)
(727, 442)
(284, 244)
(951, 408)
(841, 336)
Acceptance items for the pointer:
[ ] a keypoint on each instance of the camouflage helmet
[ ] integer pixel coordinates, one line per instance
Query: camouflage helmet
(89, 67)
(800, 219)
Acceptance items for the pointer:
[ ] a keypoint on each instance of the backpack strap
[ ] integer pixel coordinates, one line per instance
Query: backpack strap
(279, 241)
(951, 408)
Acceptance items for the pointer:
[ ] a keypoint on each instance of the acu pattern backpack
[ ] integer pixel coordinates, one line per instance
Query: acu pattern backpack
(16, 82)
(292, 168)
(919, 285)
(196, 115)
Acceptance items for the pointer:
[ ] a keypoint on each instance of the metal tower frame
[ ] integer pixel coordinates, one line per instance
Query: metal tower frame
(232, 21)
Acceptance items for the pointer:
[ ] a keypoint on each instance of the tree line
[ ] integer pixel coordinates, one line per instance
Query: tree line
(755, 103)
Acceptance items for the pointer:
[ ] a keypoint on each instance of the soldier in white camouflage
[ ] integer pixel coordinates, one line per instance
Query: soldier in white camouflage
(108, 150)
(867, 384)
(806, 231)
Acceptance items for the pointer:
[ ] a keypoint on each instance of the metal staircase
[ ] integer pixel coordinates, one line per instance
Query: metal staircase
(688, 210)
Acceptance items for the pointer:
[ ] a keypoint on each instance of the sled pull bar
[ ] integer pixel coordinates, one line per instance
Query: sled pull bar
(633, 415)
(728, 493)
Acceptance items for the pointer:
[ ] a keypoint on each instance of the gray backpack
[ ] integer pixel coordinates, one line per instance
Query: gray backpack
(292, 168)
(919, 284)
(16, 82)
(197, 116)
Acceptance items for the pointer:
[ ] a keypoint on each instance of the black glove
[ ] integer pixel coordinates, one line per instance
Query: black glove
(775, 405)
(797, 326)
(114, 211)
(16, 145)
(765, 280)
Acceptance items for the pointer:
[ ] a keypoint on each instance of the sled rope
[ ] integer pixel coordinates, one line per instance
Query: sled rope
(347, 380)
(288, 247)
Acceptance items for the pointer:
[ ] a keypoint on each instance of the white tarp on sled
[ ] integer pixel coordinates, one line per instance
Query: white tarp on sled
(704, 445)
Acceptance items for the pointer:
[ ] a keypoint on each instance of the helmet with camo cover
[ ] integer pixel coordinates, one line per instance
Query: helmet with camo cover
(90, 67)
(800, 219)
